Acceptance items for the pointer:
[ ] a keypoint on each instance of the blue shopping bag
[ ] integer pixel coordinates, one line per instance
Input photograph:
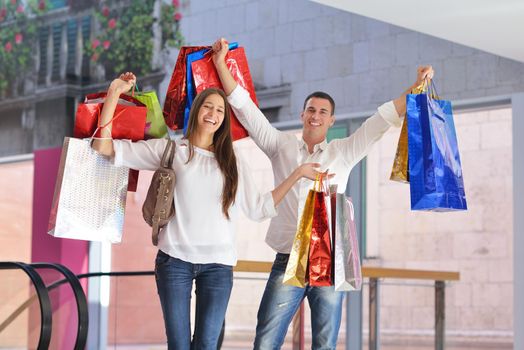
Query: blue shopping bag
(190, 84)
(435, 171)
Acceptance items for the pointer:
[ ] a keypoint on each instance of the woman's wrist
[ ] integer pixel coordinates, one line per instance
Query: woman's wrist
(220, 62)
(298, 174)
(113, 91)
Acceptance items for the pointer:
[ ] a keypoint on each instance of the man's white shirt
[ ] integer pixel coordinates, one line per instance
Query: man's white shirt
(286, 153)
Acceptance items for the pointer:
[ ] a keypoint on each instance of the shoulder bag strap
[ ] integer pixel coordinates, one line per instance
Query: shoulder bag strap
(169, 152)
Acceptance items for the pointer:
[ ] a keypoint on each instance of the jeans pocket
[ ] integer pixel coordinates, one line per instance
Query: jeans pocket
(280, 263)
(161, 259)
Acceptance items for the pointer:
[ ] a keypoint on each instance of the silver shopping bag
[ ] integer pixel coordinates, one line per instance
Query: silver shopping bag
(348, 273)
(90, 195)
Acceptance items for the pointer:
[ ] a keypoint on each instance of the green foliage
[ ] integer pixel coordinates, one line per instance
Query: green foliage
(18, 28)
(124, 41)
(170, 18)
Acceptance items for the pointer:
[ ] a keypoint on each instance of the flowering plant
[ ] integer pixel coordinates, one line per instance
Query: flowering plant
(17, 38)
(125, 39)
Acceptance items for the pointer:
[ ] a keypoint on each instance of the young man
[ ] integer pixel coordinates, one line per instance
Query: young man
(280, 302)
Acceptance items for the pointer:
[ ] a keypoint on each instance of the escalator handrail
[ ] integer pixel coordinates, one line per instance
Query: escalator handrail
(80, 297)
(46, 312)
(115, 274)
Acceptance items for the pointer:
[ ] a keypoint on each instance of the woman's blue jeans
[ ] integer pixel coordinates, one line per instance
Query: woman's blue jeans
(174, 279)
(280, 302)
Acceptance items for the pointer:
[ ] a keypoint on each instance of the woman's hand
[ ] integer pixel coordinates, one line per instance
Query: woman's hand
(123, 83)
(119, 86)
(307, 170)
(220, 49)
(310, 171)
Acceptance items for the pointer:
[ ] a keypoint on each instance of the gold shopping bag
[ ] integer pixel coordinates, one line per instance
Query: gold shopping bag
(400, 170)
(298, 258)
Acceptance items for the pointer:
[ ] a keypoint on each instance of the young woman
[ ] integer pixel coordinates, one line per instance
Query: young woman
(212, 185)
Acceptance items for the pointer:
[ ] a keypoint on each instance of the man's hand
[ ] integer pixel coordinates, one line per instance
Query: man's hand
(423, 73)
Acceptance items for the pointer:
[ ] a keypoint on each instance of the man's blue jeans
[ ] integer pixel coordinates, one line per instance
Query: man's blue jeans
(280, 303)
(174, 279)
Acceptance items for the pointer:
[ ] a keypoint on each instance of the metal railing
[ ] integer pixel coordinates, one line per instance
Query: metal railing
(375, 274)
(42, 294)
(43, 299)
(80, 298)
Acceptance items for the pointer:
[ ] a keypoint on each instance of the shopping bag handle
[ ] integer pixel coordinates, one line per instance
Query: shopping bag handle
(100, 127)
(431, 89)
(103, 95)
(322, 183)
(135, 87)
(316, 185)
(428, 86)
(232, 46)
(325, 182)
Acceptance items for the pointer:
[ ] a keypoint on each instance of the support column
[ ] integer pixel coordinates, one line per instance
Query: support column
(356, 190)
(517, 103)
(79, 42)
(157, 37)
(374, 314)
(440, 315)
(49, 55)
(98, 295)
(63, 52)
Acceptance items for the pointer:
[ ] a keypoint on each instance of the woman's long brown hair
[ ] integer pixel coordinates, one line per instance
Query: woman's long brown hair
(223, 146)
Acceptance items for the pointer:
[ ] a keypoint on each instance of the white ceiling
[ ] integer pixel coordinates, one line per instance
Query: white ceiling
(495, 26)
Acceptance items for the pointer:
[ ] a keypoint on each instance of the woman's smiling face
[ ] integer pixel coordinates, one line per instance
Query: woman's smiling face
(211, 113)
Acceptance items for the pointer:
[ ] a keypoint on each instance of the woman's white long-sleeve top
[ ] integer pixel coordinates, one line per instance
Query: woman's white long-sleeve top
(199, 233)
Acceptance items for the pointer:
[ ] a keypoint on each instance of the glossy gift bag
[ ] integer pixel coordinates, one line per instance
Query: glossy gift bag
(297, 265)
(155, 125)
(435, 171)
(320, 259)
(186, 93)
(90, 195)
(176, 95)
(400, 169)
(129, 124)
(346, 256)
(206, 76)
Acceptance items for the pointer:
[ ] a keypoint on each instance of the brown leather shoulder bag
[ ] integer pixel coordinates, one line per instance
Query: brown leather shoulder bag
(159, 206)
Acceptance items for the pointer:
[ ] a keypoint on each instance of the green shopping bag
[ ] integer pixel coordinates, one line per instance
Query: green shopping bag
(155, 124)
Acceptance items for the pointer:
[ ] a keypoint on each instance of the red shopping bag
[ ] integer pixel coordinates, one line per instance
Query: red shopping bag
(320, 260)
(206, 76)
(175, 101)
(129, 123)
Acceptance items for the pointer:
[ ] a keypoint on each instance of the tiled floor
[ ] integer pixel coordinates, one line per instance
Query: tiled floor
(425, 345)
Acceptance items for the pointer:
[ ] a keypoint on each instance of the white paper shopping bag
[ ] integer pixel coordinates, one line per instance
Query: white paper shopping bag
(90, 195)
